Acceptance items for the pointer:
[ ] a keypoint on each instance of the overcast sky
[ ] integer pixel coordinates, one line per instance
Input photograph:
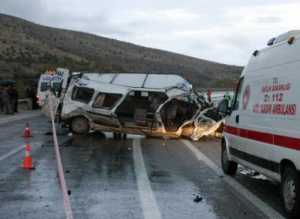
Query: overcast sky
(225, 31)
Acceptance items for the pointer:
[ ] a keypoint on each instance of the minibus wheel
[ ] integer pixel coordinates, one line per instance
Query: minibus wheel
(290, 190)
(229, 167)
(80, 125)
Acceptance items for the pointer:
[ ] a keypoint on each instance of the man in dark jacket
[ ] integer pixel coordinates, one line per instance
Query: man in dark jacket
(1, 101)
(6, 101)
(14, 99)
(31, 93)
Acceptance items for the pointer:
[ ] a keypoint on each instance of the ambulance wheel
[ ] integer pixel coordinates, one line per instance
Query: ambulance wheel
(80, 126)
(290, 191)
(229, 167)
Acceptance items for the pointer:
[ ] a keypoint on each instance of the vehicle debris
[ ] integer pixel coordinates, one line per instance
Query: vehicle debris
(198, 199)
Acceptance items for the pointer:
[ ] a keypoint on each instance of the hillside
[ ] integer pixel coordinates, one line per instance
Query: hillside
(27, 49)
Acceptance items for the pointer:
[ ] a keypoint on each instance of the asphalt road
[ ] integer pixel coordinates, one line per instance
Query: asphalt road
(133, 178)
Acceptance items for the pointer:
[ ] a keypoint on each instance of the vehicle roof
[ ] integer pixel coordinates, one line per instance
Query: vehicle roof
(102, 87)
(278, 54)
(139, 80)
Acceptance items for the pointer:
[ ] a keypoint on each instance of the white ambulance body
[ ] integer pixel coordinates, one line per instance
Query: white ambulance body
(263, 128)
(43, 87)
(56, 80)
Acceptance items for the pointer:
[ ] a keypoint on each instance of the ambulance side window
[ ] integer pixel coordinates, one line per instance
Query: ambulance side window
(237, 97)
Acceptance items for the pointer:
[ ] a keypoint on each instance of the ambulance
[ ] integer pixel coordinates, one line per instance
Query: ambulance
(262, 129)
(55, 80)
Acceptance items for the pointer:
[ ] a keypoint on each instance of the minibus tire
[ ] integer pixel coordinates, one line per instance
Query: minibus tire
(291, 181)
(229, 167)
(79, 126)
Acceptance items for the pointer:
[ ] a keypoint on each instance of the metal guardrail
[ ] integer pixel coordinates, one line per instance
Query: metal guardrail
(60, 169)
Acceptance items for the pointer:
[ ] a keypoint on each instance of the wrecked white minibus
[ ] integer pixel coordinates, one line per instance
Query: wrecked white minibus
(162, 105)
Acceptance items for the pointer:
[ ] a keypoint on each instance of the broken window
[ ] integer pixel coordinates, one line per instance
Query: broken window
(82, 94)
(106, 100)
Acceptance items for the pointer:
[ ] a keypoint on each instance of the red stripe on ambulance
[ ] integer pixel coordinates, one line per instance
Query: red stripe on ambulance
(279, 140)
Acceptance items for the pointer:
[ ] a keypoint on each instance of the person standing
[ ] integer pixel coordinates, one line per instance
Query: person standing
(6, 101)
(1, 101)
(209, 99)
(14, 98)
(31, 93)
(209, 96)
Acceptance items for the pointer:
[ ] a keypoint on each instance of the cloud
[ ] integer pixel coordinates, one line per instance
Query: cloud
(218, 31)
(25, 9)
(268, 19)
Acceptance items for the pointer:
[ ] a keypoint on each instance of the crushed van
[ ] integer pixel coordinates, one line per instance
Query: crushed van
(161, 105)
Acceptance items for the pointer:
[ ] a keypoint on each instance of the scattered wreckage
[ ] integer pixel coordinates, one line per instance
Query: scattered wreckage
(159, 105)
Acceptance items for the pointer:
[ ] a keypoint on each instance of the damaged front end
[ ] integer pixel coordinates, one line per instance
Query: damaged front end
(189, 115)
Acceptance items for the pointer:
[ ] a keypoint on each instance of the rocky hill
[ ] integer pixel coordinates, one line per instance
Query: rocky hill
(27, 49)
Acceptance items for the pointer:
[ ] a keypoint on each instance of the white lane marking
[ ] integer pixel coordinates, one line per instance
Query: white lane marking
(12, 152)
(202, 157)
(257, 202)
(149, 204)
(16, 150)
